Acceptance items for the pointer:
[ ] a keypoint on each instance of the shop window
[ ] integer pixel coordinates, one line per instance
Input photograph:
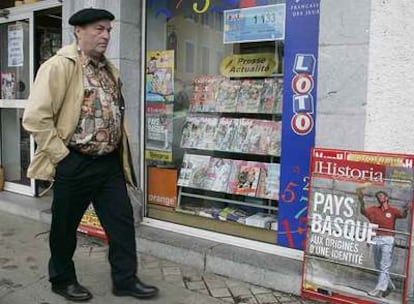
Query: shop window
(213, 120)
(189, 58)
(15, 60)
(205, 60)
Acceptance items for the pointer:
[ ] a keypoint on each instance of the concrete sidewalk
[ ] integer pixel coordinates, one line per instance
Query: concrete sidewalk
(23, 278)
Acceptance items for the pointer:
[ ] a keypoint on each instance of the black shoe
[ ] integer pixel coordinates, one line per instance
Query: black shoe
(138, 290)
(387, 292)
(73, 292)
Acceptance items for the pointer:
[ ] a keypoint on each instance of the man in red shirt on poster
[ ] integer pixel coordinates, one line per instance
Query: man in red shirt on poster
(384, 216)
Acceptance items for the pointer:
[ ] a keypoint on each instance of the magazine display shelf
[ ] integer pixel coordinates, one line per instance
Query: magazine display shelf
(240, 150)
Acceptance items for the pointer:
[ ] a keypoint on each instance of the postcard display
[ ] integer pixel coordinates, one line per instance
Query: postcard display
(359, 236)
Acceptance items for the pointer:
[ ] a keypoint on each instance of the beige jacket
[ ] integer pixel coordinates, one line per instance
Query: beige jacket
(53, 110)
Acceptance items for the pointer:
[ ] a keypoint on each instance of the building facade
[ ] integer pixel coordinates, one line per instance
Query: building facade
(185, 95)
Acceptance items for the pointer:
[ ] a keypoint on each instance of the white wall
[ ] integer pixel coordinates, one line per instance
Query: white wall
(390, 118)
(343, 73)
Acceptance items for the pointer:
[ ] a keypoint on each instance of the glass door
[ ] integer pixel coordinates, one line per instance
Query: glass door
(16, 74)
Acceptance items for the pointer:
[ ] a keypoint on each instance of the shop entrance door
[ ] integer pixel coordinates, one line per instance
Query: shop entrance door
(16, 74)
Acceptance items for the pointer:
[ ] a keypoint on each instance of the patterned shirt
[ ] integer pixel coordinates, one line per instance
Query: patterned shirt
(99, 128)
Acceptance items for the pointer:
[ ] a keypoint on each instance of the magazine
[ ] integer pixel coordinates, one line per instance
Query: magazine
(248, 179)
(279, 97)
(160, 76)
(199, 167)
(226, 100)
(259, 137)
(204, 93)
(271, 97)
(218, 174)
(159, 126)
(207, 128)
(248, 100)
(212, 213)
(234, 175)
(275, 135)
(8, 85)
(241, 141)
(261, 220)
(193, 172)
(191, 132)
(225, 132)
(269, 182)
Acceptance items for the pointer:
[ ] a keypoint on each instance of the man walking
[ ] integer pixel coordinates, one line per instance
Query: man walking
(75, 113)
(384, 215)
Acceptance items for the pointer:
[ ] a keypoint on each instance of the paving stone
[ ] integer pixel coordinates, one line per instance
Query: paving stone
(148, 258)
(151, 265)
(278, 293)
(171, 271)
(175, 280)
(228, 299)
(233, 282)
(192, 277)
(240, 291)
(245, 300)
(285, 299)
(212, 276)
(266, 298)
(220, 292)
(215, 284)
(204, 291)
(150, 271)
(165, 263)
(259, 290)
(196, 285)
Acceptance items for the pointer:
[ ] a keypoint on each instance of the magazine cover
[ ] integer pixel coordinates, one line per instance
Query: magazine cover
(260, 137)
(160, 76)
(203, 98)
(248, 99)
(233, 181)
(193, 172)
(159, 126)
(218, 174)
(226, 100)
(269, 183)
(241, 138)
(279, 97)
(268, 96)
(192, 132)
(8, 85)
(199, 165)
(274, 133)
(359, 228)
(207, 127)
(90, 224)
(225, 132)
(248, 179)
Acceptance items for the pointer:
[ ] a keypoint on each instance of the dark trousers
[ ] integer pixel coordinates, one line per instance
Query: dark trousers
(81, 179)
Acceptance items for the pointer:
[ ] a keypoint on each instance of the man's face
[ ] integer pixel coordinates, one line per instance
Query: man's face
(93, 38)
(382, 198)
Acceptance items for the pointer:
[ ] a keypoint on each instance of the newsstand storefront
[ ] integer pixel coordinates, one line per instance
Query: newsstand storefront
(230, 103)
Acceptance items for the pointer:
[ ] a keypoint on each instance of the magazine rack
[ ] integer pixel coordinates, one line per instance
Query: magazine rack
(231, 167)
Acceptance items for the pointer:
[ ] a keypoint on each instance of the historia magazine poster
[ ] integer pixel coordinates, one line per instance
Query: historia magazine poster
(359, 232)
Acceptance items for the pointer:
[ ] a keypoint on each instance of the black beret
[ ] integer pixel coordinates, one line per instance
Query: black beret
(90, 15)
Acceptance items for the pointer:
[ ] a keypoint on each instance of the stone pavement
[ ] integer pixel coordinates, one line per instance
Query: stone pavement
(23, 279)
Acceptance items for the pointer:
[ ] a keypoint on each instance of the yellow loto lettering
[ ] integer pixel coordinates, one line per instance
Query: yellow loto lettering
(204, 9)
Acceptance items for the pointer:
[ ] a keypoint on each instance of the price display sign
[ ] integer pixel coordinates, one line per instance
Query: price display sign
(261, 23)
